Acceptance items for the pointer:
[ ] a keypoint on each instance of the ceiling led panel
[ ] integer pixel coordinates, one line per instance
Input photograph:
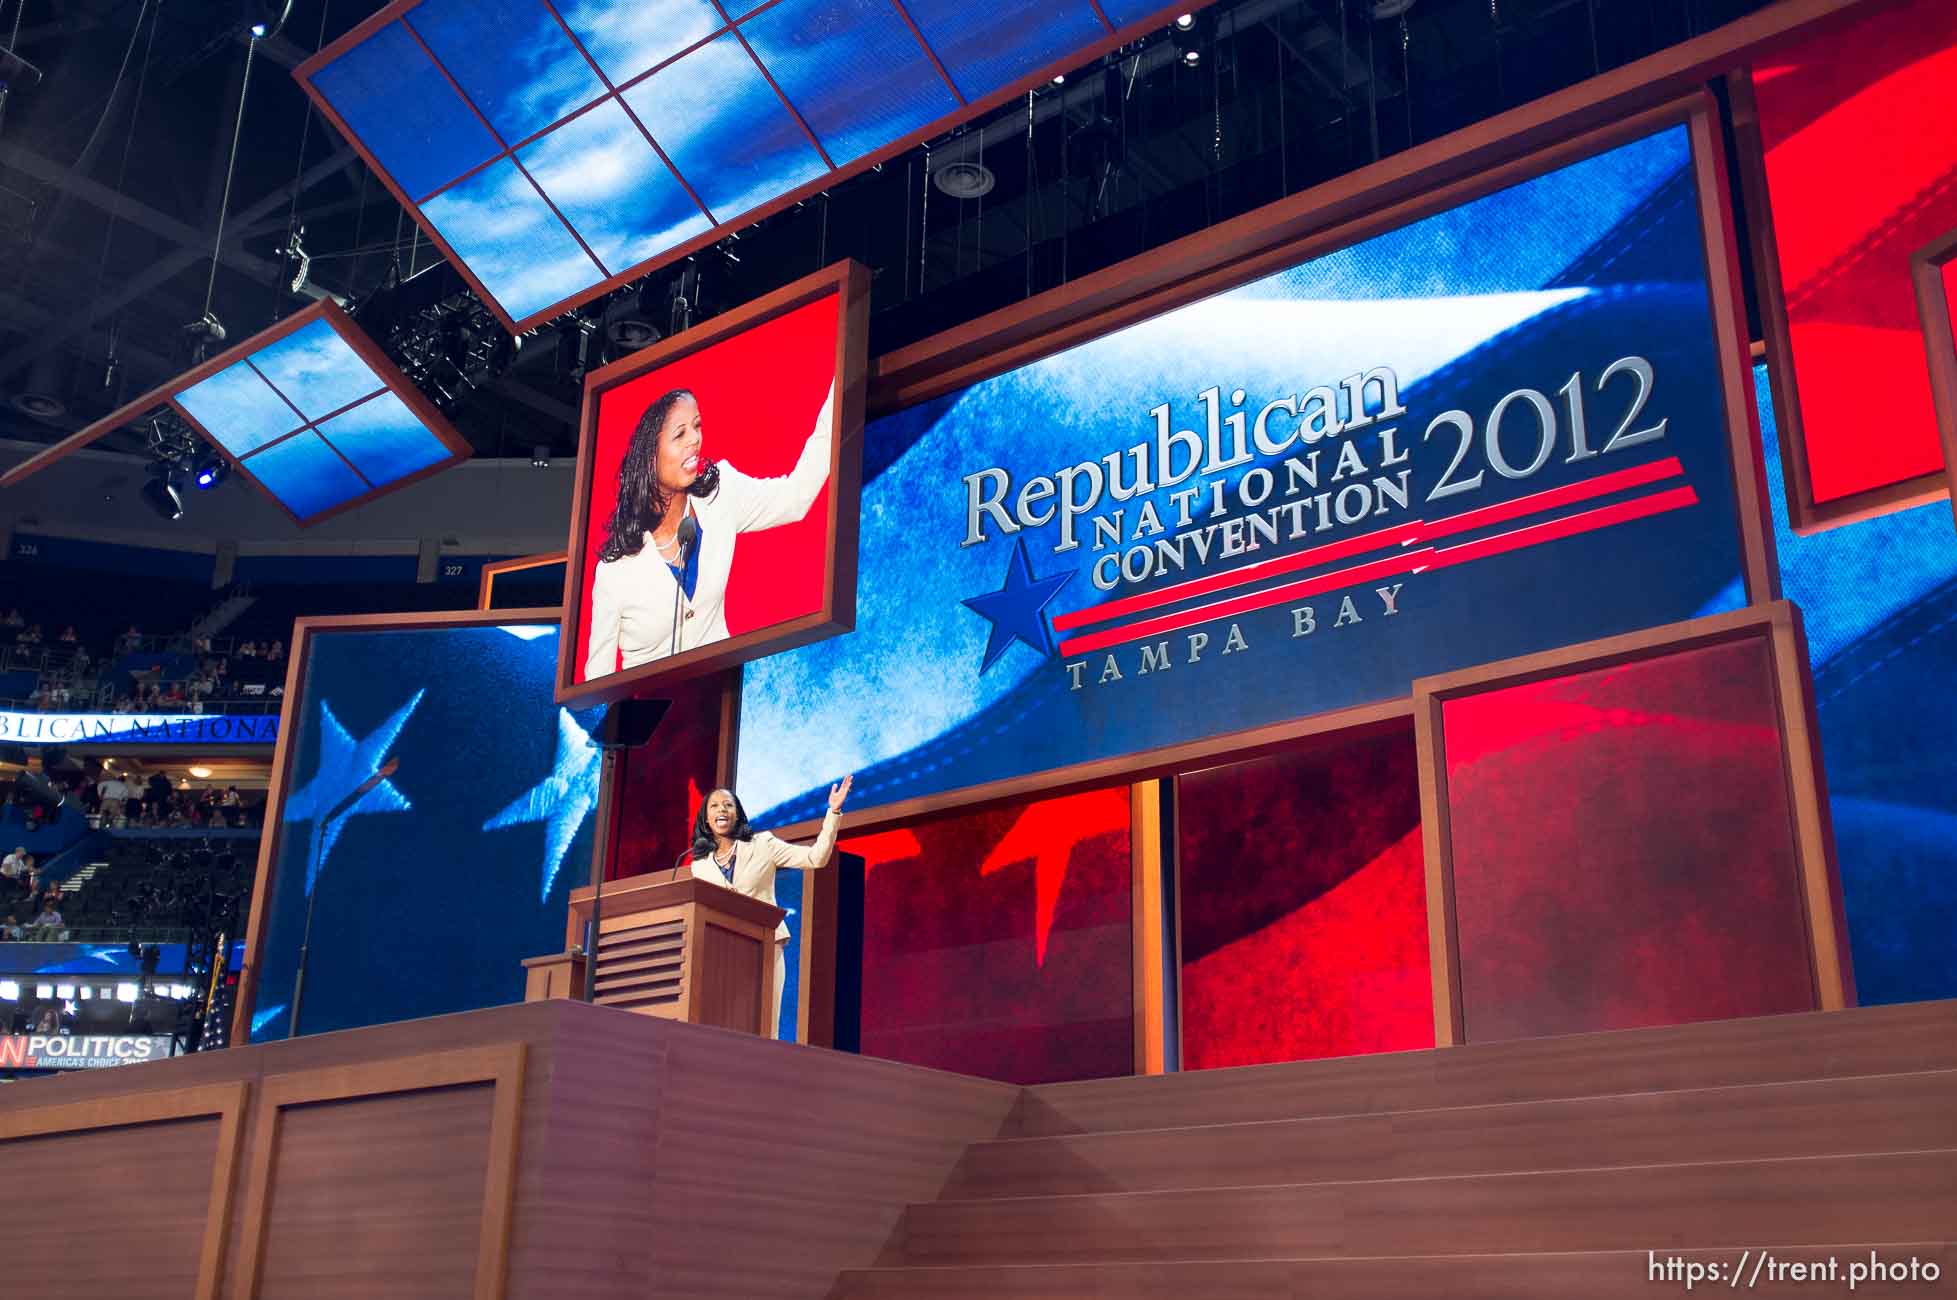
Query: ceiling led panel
(313, 413)
(753, 104)
(854, 70)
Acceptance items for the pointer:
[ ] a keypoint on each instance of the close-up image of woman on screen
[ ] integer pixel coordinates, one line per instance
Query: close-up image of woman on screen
(661, 582)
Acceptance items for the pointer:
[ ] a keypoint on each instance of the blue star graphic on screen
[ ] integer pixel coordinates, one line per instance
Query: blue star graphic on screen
(562, 800)
(1017, 610)
(347, 783)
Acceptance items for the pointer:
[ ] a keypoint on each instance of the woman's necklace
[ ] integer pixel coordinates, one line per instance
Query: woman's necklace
(727, 867)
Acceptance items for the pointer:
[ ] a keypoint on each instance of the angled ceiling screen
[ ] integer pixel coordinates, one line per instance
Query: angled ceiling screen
(316, 416)
(555, 146)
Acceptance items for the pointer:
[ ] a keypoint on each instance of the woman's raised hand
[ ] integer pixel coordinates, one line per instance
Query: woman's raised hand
(838, 793)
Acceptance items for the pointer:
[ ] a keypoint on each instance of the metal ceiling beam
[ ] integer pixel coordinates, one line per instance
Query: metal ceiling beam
(168, 268)
(136, 213)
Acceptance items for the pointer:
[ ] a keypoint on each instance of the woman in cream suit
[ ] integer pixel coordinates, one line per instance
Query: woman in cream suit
(644, 574)
(729, 853)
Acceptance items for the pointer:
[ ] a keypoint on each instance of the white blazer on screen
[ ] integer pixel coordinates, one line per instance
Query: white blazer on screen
(632, 596)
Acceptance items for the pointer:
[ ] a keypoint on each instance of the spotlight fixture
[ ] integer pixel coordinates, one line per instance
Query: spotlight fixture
(212, 470)
(160, 495)
(1190, 58)
(540, 457)
(1188, 34)
(201, 773)
(1060, 80)
(205, 335)
(1185, 21)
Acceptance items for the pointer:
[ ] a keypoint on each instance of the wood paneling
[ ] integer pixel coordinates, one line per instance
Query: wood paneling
(655, 1157)
(1594, 1275)
(1777, 1049)
(1886, 1113)
(378, 1197)
(1748, 1204)
(81, 1160)
(361, 1136)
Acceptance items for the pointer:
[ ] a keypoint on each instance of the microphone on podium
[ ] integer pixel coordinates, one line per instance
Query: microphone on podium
(385, 770)
(687, 538)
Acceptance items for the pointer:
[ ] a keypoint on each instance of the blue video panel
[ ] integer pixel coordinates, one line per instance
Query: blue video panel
(605, 178)
(501, 227)
(307, 476)
(626, 40)
(397, 103)
(316, 371)
(511, 58)
(749, 100)
(725, 128)
(384, 440)
(985, 46)
(1497, 429)
(383, 869)
(239, 409)
(852, 69)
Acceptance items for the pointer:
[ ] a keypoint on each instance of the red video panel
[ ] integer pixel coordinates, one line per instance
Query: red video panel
(1861, 170)
(1304, 908)
(999, 943)
(662, 786)
(1623, 848)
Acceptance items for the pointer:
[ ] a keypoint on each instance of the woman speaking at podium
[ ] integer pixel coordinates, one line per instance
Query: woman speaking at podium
(726, 851)
(660, 585)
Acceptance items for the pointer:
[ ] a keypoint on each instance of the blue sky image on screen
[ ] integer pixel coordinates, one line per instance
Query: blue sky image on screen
(316, 370)
(853, 71)
(248, 408)
(434, 886)
(239, 409)
(384, 439)
(1524, 287)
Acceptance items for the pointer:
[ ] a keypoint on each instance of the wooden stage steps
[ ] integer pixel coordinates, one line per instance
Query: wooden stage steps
(1514, 1170)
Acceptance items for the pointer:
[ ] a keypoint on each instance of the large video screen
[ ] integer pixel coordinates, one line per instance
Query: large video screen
(711, 484)
(1496, 429)
(436, 813)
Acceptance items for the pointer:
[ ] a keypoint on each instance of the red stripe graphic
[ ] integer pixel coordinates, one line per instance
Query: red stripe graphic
(1415, 530)
(1412, 561)
(1621, 512)
(1407, 562)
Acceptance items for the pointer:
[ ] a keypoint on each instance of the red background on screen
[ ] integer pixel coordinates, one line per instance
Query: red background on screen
(661, 787)
(998, 943)
(1624, 850)
(1862, 168)
(1315, 944)
(759, 394)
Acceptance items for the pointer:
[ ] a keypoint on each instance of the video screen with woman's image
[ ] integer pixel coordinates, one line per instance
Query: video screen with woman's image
(709, 475)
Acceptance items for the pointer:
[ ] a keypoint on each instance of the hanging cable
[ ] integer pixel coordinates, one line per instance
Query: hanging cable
(122, 174)
(88, 147)
(299, 167)
(230, 169)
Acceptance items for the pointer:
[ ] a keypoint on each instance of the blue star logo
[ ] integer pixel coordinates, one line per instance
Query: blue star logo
(1017, 610)
(562, 800)
(345, 765)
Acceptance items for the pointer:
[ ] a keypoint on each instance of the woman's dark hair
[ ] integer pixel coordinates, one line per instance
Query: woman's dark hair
(640, 502)
(703, 836)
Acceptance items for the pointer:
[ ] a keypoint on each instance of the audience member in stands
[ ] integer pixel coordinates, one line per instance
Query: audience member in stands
(248, 650)
(13, 620)
(129, 642)
(49, 922)
(14, 865)
(232, 799)
(32, 636)
(68, 636)
(13, 929)
(156, 796)
(48, 1022)
(277, 653)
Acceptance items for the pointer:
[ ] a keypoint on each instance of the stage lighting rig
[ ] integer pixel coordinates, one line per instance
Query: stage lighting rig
(205, 335)
(212, 470)
(445, 341)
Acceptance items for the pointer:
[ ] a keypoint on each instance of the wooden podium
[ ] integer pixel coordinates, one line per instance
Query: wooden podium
(674, 946)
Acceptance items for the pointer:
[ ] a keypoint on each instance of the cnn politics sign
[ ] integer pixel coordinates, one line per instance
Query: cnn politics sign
(80, 1052)
(1498, 429)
